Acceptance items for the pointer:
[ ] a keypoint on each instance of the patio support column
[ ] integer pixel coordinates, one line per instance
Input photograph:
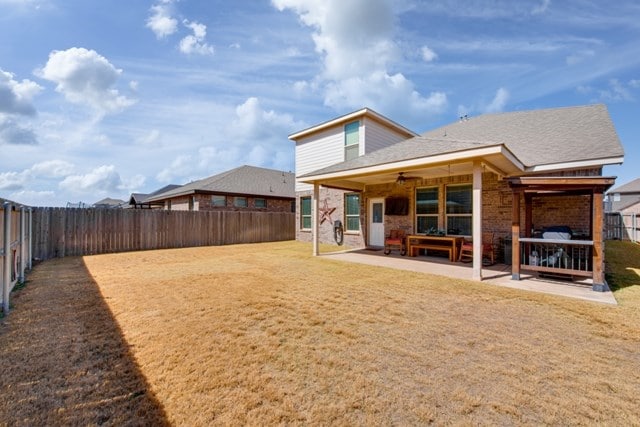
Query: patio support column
(476, 219)
(598, 245)
(315, 224)
(515, 236)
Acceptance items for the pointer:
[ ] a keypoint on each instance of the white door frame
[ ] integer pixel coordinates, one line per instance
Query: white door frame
(375, 232)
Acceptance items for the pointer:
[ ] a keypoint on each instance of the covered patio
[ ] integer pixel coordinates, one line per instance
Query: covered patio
(497, 274)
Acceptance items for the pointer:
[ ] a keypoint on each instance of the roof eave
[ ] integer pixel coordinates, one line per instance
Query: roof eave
(348, 117)
(576, 164)
(452, 157)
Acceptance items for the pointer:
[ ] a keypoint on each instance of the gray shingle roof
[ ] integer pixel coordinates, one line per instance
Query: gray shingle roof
(538, 137)
(629, 187)
(247, 180)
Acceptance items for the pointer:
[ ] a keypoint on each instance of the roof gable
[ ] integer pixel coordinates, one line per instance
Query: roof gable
(339, 121)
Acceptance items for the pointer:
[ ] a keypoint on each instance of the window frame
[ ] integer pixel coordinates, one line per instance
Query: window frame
(303, 215)
(220, 197)
(433, 215)
(469, 214)
(351, 147)
(236, 199)
(348, 216)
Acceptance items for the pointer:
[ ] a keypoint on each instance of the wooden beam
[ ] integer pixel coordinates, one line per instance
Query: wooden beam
(598, 244)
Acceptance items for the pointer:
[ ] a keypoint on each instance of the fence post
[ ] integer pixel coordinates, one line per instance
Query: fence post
(6, 279)
(21, 244)
(30, 245)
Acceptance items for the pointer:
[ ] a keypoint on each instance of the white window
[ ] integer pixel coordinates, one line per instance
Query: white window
(305, 213)
(352, 212)
(351, 140)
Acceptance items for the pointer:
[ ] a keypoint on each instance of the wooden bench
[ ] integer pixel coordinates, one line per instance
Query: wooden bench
(432, 247)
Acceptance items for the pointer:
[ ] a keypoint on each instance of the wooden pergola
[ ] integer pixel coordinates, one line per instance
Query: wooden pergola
(527, 187)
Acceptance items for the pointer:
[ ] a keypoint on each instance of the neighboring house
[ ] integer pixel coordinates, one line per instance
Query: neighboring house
(139, 200)
(246, 188)
(625, 199)
(109, 203)
(508, 173)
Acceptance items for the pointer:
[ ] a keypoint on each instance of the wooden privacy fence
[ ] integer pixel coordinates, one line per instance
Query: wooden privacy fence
(15, 248)
(59, 232)
(622, 227)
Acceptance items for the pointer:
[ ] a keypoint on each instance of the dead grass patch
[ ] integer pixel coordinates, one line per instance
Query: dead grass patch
(267, 334)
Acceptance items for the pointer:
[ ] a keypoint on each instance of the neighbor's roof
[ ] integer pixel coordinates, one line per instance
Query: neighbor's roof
(245, 180)
(544, 139)
(629, 187)
(139, 198)
(108, 201)
(626, 201)
(364, 112)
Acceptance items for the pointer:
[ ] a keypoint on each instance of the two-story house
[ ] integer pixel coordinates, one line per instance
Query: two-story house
(534, 177)
(335, 141)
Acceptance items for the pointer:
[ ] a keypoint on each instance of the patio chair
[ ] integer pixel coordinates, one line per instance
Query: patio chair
(466, 250)
(395, 240)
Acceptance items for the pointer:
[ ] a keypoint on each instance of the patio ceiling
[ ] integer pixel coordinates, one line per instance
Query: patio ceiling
(496, 159)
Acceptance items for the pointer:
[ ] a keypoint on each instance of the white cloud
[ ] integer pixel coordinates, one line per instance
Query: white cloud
(615, 92)
(427, 54)
(634, 83)
(194, 43)
(102, 180)
(34, 197)
(355, 40)
(52, 169)
(15, 96)
(541, 8)
(11, 181)
(12, 132)
(161, 22)
(86, 78)
(181, 166)
(253, 124)
(578, 57)
(499, 101)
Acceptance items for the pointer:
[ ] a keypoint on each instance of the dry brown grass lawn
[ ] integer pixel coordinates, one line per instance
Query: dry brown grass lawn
(265, 334)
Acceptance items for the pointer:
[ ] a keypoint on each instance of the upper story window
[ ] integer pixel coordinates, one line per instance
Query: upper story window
(351, 140)
(260, 203)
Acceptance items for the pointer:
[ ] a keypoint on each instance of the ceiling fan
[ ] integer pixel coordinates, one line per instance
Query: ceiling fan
(401, 179)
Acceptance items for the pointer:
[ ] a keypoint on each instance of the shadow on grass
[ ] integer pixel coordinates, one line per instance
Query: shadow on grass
(64, 359)
(622, 264)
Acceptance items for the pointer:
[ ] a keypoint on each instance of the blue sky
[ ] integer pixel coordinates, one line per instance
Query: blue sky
(104, 98)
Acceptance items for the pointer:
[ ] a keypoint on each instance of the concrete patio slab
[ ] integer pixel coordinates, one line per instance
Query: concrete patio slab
(497, 274)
